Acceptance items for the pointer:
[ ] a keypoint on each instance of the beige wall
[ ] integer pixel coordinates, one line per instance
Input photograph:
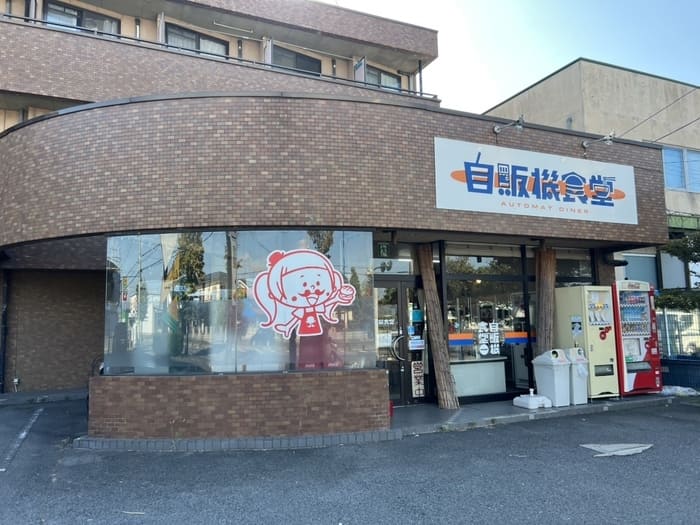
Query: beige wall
(555, 101)
(683, 202)
(601, 98)
(17, 8)
(619, 99)
(8, 118)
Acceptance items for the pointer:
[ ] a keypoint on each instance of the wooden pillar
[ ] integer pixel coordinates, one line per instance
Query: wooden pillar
(546, 267)
(447, 395)
(604, 272)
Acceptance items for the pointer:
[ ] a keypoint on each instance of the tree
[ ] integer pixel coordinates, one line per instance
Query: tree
(322, 239)
(190, 268)
(687, 249)
(190, 253)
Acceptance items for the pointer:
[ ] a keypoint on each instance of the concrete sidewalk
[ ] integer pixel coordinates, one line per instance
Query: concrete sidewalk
(424, 419)
(406, 421)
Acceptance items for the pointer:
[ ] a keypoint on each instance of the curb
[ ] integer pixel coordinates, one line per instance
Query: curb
(34, 398)
(356, 438)
(548, 413)
(218, 445)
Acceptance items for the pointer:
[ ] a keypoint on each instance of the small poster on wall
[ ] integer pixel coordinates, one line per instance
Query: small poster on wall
(417, 379)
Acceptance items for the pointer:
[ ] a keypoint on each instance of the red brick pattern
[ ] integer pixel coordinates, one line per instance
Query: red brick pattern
(275, 161)
(46, 348)
(241, 405)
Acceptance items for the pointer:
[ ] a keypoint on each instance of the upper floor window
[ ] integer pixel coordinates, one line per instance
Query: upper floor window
(291, 59)
(65, 15)
(184, 38)
(682, 169)
(381, 78)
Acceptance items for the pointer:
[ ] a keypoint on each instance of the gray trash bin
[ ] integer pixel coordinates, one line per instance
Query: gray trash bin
(552, 377)
(579, 375)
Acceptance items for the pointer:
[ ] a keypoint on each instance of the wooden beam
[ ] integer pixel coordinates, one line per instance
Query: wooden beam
(546, 267)
(447, 395)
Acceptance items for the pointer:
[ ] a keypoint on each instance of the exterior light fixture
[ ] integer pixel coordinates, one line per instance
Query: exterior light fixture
(517, 124)
(607, 140)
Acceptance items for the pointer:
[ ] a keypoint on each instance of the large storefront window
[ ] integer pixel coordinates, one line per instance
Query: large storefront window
(239, 301)
(491, 312)
(490, 294)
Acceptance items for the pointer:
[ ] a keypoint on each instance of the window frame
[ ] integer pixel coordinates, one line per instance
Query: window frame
(198, 39)
(281, 49)
(380, 73)
(80, 17)
(689, 175)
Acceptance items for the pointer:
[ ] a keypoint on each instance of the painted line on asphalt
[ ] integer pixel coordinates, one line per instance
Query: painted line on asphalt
(20, 439)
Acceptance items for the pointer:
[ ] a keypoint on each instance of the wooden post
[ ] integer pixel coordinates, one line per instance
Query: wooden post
(447, 395)
(546, 268)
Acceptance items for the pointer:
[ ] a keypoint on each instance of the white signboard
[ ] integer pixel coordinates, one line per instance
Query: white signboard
(483, 178)
(417, 379)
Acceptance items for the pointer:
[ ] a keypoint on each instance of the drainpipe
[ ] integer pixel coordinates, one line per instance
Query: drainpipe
(160, 27)
(3, 328)
(420, 77)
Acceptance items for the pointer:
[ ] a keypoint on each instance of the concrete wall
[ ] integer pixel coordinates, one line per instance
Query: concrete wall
(555, 101)
(242, 405)
(600, 98)
(620, 99)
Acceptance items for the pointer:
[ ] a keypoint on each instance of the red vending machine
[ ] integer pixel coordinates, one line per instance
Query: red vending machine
(638, 358)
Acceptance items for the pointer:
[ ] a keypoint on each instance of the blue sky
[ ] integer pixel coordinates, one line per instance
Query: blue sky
(492, 49)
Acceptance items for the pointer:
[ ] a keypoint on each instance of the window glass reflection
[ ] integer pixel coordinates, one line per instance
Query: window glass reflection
(183, 303)
(483, 265)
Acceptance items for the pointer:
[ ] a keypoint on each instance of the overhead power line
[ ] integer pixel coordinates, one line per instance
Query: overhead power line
(659, 111)
(677, 129)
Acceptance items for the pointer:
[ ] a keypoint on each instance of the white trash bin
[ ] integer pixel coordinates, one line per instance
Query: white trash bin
(579, 375)
(552, 376)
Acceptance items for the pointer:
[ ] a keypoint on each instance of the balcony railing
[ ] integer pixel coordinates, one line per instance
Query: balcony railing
(226, 58)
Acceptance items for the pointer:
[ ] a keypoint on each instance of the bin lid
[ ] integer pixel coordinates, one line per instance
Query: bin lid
(576, 355)
(555, 357)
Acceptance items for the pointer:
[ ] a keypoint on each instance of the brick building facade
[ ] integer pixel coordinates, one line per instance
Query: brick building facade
(147, 204)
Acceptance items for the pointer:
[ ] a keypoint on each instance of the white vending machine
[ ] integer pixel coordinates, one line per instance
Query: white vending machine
(584, 317)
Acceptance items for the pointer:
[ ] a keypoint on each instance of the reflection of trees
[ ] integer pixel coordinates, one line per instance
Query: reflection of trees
(323, 240)
(362, 309)
(188, 274)
(190, 256)
(142, 298)
(492, 266)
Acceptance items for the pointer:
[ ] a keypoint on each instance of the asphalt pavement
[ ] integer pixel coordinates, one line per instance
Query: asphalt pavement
(534, 471)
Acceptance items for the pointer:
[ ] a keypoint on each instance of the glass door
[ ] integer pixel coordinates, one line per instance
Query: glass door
(401, 340)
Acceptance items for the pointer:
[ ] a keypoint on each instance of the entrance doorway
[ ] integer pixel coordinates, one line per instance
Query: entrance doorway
(402, 346)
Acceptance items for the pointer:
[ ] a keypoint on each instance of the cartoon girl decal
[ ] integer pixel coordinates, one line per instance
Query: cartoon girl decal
(298, 289)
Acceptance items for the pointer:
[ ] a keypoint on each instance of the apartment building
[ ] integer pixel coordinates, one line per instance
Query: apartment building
(240, 219)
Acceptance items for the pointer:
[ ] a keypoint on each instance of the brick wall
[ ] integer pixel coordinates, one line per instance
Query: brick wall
(242, 405)
(277, 161)
(336, 21)
(111, 70)
(55, 350)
